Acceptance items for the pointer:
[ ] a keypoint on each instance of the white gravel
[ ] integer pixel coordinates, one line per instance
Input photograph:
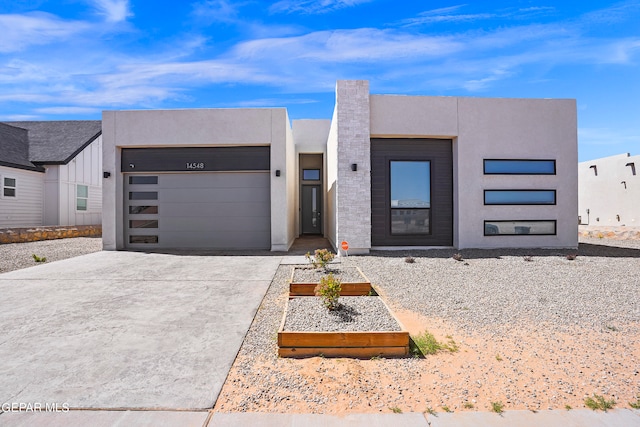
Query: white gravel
(362, 313)
(14, 256)
(313, 275)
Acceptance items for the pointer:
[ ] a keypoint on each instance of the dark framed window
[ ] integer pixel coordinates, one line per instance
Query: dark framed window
(520, 227)
(410, 196)
(143, 223)
(519, 197)
(9, 187)
(143, 195)
(140, 179)
(519, 167)
(311, 174)
(142, 210)
(143, 239)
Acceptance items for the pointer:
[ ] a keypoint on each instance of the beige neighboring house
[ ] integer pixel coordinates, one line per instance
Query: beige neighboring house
(50, 173)
(609, 191)
(386, 171)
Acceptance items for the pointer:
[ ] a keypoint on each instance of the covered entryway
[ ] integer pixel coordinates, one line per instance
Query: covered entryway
(311, 194)
(199, 208)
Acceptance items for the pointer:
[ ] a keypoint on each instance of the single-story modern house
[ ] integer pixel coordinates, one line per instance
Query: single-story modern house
(386, 171)
(609, 191)
(50, 173)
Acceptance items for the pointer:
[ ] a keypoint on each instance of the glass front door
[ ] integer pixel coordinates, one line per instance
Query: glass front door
(311, 215)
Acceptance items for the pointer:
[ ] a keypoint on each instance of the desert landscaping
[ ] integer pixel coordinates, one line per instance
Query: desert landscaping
(531, 329)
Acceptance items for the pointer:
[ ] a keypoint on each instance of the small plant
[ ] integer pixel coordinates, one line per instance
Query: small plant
(430, 411)
(36, 258)
(409, 260)
(568, 407)
(457, 257)
(528, 258)
(445, 408)
(320, 258)
(396, 410)
(636, 404)
(468, 405)
(329, 290)
(612, 328)
(427, 343)
(497, 407)
(498, 358)
(571, 257)
(599, 402)
(600, 236)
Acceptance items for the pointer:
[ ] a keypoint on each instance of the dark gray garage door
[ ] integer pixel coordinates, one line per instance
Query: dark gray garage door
(212, 210)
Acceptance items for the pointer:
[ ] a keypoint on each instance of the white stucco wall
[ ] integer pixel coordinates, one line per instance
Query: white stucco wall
(332, 181)
(26, 209)
(613, 195)
(193, 128)
(310, 137)
(485, 128)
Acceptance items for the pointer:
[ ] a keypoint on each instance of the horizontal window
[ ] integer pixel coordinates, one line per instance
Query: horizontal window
(311, 174)
(141, 210)
(9, 192)
(519, 167)
(143, 195)
(143, 239)
(410, 221)
(143, 223)
(514, 228)
(519, 197)
(139, 179)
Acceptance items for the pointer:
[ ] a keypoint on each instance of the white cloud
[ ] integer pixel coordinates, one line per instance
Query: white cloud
(605, 136)
(67, 110)
(313, 6)
(113, 10)
(217, 10)
(36, 28)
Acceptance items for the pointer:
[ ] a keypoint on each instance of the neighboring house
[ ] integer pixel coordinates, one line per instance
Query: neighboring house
(385, 172)
(50, 173)
(609, 191)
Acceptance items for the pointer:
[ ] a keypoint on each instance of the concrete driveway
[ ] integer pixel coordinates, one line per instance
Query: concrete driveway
(127, 329)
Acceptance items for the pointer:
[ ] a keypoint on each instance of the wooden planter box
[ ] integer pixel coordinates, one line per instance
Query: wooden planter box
(361, 344)
(351, 289)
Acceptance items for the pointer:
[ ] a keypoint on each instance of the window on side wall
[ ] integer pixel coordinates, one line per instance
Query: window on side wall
(82, 196)
(9, 187)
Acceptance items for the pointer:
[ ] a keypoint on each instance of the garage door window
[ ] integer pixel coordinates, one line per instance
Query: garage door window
(143, 239)
(143, 210)
(143, 223)
(140, 179)
(143, 195)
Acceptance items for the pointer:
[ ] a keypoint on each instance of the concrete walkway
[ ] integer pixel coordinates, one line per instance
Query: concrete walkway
(126, 329)
(573, 418)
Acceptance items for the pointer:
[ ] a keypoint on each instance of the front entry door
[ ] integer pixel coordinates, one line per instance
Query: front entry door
(311, 203)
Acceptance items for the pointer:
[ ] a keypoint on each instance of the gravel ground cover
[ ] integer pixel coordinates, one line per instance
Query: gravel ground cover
(345, 274)
(14, 256)
(353, 314)
(535, 330)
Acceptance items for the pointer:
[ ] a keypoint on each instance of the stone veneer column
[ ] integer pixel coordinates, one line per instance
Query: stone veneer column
(353, 205)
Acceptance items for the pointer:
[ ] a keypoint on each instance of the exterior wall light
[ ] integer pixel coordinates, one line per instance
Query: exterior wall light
(354, 167)
(277, 172)
(106, 174)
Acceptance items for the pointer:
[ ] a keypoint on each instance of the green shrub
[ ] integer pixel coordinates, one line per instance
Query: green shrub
(329, 290)
(426, 343)
(320, 258)
(599, 402)
(36, 258)
(497, 407)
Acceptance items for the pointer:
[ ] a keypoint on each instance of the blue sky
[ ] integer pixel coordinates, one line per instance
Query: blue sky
(71, 59)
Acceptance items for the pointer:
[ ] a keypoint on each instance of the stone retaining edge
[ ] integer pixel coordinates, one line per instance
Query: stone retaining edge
(34, 234)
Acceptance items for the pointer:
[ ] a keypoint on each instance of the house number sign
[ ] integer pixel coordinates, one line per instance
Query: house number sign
(195, 165)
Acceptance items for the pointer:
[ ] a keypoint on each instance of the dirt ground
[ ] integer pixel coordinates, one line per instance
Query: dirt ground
(523, 369)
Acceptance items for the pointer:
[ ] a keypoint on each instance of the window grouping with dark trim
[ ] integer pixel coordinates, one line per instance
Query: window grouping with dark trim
(527, 197)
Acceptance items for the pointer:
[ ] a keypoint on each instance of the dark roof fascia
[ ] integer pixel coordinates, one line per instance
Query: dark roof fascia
(35, 168)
